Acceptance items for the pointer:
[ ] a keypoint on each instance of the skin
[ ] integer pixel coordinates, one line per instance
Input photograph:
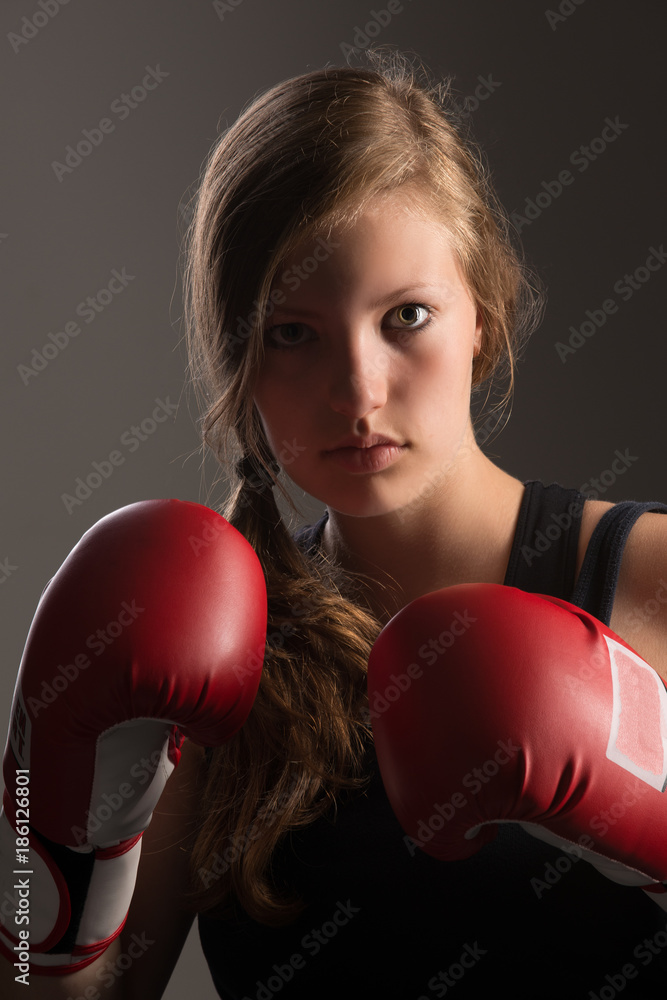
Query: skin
(338, 363)
(442, 513)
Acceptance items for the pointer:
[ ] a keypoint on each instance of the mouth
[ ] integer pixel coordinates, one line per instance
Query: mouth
(365, 454)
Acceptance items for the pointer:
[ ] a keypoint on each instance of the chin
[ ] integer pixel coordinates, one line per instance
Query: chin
(366, 502)
(375, 495)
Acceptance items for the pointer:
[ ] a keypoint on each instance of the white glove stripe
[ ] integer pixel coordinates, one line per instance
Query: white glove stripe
(638, 733)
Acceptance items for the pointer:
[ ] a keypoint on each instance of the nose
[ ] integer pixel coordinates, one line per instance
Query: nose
(358, 377)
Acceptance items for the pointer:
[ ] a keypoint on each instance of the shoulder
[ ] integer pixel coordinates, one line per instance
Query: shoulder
(160, 913)
(590, 515)
(639, 614)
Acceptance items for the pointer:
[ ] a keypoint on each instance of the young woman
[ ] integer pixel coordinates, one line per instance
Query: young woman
(351, 283)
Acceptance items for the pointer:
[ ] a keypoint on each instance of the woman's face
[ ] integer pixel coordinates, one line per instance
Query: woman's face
(364, 390)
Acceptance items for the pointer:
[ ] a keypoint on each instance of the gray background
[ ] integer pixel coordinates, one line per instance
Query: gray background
(121, 207)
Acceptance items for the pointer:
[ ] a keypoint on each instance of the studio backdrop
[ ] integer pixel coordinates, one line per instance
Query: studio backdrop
(109, 110)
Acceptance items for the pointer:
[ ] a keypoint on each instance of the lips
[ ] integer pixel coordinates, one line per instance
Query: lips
(365, 454)
(353, 441)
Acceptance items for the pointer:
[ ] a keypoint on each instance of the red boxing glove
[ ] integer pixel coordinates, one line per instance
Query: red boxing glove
(492, 705)
(153, 629)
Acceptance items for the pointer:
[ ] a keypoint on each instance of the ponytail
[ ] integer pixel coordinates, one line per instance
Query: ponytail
(305, 739)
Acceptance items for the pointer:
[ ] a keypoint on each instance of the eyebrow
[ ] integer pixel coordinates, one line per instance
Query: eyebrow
(385, 300)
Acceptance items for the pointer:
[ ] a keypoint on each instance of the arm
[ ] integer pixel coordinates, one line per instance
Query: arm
(640, 604)
(158, 913)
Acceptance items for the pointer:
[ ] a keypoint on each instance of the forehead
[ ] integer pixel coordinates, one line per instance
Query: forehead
(410, 201)
(392, 245)
(382, 217)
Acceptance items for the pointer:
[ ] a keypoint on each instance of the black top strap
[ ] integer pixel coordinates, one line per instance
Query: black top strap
(597, 581)
(543, 559)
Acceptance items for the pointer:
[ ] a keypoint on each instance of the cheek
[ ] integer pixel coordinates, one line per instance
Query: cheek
(265, 400)
(269, 417)
(443, 377)
(281, 415)
(438, 396)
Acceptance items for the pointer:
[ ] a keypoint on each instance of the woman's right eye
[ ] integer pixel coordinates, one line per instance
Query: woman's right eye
(287, 335)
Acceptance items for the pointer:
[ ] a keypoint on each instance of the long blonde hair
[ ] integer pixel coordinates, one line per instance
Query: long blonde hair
(304, 157)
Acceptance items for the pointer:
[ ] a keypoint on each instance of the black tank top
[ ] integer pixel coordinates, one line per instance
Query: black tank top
(520, 917)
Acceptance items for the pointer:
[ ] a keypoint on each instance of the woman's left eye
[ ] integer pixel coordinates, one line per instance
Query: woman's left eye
(411, 316)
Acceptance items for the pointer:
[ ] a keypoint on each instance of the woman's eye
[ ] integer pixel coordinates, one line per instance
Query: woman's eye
(411, 316)
(288, 335)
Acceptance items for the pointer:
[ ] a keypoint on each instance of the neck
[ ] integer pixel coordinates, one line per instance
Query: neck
(462, 533)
